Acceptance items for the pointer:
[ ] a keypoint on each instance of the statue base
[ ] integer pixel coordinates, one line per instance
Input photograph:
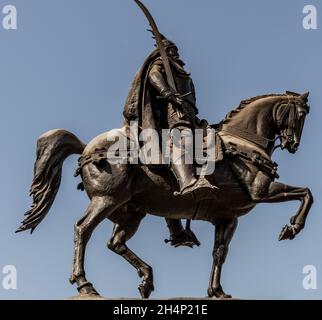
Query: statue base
(94, 297)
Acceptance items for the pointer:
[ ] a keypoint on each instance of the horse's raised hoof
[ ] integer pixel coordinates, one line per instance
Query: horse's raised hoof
(184, 238)
(288, 233)
(218, 293)
(146, 288)
(87, 290)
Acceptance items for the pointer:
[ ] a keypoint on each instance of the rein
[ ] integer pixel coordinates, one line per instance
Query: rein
(290, 111)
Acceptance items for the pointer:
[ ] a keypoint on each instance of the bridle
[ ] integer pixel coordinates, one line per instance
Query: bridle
(291, 111)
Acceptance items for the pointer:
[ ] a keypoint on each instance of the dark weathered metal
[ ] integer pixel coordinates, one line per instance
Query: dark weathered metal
(161, 48)
(119, 194)
(125, 193)
(158, 39)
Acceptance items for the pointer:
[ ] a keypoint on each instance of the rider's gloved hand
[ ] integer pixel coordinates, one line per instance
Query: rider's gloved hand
(172, 97)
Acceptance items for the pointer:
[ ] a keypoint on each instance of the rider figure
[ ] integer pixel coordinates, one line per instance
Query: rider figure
(162, 108)
(154, 105)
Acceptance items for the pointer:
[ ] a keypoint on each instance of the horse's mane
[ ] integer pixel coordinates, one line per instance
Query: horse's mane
(246, 102)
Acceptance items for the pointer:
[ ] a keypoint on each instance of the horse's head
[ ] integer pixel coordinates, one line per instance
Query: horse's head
(289, 117)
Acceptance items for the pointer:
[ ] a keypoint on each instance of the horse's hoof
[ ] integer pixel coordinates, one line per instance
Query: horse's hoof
(87, 289)
(287, 233)
(218, 293)
(145, 288)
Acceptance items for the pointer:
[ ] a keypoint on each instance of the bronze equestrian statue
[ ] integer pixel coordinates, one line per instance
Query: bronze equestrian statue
(124, 193)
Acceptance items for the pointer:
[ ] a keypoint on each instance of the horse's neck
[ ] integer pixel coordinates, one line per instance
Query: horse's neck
(257, 119)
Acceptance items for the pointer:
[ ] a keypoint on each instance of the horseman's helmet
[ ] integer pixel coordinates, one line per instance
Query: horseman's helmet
(166, 42)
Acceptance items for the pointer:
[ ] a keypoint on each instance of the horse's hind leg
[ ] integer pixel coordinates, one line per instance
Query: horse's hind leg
(123, 231)
(98, 209)
(223, 235)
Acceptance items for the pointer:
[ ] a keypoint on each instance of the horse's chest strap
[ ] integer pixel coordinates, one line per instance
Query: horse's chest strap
(267, 166)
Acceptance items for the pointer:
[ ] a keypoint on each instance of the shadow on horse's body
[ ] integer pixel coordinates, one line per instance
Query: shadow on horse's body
(125, 193)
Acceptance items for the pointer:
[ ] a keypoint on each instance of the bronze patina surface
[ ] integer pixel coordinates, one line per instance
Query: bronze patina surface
(162, 96)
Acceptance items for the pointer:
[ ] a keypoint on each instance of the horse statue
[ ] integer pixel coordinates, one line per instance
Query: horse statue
(126, 193)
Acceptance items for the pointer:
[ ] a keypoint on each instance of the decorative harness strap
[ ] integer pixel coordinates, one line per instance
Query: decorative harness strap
(233, 150)
(270, 167)
(267, 166)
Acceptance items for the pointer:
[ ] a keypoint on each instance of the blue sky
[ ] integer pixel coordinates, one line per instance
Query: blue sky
(70, 64)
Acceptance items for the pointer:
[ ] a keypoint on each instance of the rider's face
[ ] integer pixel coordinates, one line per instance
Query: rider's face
(173, 51)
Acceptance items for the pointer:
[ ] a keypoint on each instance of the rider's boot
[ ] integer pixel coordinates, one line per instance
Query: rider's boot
(190, 186)
(182, 167)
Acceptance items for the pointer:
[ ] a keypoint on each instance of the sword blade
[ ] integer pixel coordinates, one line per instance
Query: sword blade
(158, 38)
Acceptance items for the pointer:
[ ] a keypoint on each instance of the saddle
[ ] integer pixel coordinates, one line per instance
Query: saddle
(98, 151)
(101, 149)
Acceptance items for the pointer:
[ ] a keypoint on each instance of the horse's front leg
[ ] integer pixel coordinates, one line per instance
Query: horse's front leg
(279, 192)
(223, 235)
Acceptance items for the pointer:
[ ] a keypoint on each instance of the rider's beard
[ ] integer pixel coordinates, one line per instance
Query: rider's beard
(177, 60)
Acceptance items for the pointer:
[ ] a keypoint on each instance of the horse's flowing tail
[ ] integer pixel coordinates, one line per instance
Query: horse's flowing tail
(53, 148)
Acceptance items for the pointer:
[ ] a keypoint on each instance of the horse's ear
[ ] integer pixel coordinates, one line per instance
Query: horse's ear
(305, 96)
